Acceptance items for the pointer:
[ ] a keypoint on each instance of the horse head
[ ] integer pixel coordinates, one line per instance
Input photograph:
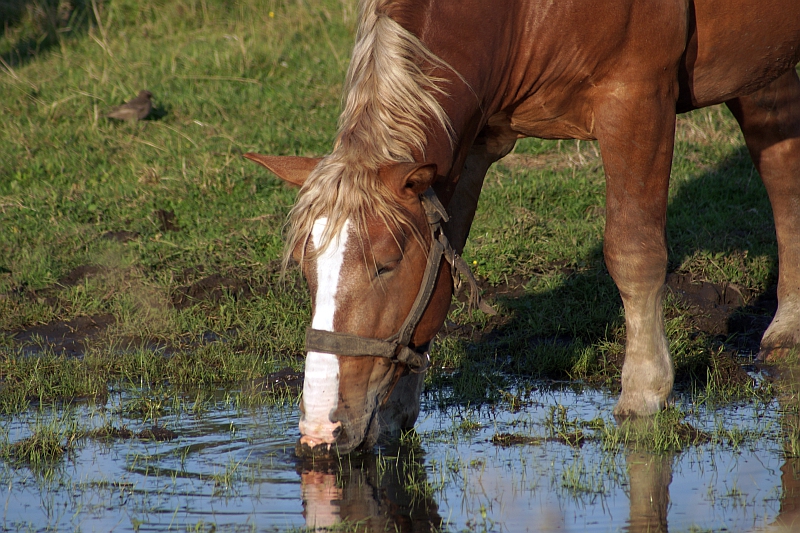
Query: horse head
(378, 299)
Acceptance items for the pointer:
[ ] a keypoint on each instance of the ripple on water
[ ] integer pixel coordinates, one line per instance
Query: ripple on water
(236, 469)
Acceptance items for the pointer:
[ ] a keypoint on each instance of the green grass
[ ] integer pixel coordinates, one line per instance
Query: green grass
(226, 79)
(266, 76)
(51, 438)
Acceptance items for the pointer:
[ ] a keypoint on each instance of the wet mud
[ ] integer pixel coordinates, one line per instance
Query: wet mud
(734, 317)
(66, 337)
(155, 433)
(71, 337)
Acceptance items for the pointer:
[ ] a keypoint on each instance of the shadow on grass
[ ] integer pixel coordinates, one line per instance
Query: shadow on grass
(35, 26)
(716, 220)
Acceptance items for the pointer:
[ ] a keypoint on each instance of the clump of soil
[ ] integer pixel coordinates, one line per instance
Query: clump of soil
(711, 304)
(121, 236)
(157, 433)
(66, 337)
(285, 380)
(239, 283)
(80, 273)
(111, 432)
(210, 288)
(688, 433)
(513, 439)
(167, 221)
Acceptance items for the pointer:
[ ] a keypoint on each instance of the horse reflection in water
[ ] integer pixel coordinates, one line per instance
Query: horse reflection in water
(373, 492)
(378, 499)
(788, 519)
(436, 92)
(650, 474)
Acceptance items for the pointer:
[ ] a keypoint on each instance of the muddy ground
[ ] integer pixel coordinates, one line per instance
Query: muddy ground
(733, 316)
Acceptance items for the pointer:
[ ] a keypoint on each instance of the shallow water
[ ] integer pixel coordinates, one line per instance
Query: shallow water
(231, 469)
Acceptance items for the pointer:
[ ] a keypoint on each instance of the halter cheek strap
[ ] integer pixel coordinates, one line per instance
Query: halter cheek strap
(396, 348)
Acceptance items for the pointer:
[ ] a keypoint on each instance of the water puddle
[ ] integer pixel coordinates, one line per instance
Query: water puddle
(466, 469)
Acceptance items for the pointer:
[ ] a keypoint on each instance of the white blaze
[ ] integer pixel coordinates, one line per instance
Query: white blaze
(321, 384)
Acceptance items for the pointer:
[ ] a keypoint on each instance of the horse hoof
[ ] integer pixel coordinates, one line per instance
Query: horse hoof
(778, 354)
(638, 405)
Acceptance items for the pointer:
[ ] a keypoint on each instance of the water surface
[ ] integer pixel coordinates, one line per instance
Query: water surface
(232, 469)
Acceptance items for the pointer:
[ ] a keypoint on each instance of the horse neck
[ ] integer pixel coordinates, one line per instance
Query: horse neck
(475, 84)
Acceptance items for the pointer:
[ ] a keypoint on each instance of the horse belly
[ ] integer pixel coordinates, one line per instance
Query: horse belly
(736, 47)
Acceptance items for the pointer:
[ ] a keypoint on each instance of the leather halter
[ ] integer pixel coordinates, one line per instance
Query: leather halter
(396, 348)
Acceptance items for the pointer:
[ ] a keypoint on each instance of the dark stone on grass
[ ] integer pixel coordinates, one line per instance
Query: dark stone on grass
(137, 108)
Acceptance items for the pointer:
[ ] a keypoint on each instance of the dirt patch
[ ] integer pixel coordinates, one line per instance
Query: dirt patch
(688, 433)
(66, 337)
(285, 380)
(514, 439)
(78, 274)
(157, 433)
(122, 236)
(167, 221)
(210, 288)
(736, 316)
(111, 432)
(710, 304)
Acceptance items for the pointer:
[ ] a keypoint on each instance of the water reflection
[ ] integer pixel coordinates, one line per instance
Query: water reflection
(232, 469)
(789, 516)
(378, 493)
(789, 399)
(650, 476)
(385, 492)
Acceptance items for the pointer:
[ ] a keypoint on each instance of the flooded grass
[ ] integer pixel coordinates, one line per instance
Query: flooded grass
(214, 462)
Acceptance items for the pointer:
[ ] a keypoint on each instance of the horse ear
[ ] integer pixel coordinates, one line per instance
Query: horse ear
(410, 180)
(291, 169)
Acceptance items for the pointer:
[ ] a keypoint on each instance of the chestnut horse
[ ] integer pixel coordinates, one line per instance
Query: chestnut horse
(437, 91)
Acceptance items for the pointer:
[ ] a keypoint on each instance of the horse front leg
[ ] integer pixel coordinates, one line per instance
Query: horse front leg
(636, 138)
(495, 141)
(770, 121)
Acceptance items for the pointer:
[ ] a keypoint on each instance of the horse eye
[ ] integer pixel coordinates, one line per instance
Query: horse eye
(385, 269)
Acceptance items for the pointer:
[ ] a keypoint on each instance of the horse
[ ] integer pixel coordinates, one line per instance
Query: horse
(436, 92)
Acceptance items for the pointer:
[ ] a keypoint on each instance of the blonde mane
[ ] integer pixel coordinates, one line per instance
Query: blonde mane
(389, 101)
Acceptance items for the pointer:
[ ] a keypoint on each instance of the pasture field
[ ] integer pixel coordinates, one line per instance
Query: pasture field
(145, 257)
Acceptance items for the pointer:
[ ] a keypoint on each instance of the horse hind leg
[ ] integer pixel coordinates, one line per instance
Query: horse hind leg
(770, 122)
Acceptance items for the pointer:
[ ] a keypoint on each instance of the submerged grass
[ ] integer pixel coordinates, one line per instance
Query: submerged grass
(49, 440)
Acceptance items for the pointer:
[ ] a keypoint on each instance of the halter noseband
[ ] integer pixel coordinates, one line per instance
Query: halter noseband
(396, 348)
